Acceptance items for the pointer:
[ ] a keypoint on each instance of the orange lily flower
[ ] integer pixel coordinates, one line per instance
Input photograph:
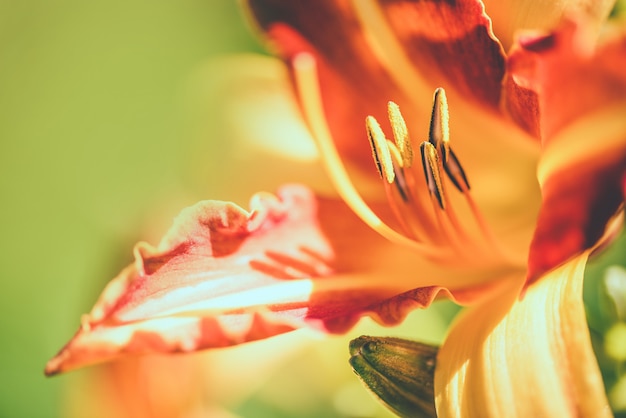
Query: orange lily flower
(517, 180)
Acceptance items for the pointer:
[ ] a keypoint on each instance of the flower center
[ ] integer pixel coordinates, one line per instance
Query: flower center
(405, 189)
(417, 196)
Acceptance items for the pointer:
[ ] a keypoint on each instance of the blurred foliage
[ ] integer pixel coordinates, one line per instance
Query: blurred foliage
(90, 135)
(619, 10)
(605, 303)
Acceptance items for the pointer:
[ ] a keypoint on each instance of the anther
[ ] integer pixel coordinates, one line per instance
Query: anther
(439, 136)
(432, 174)
(439, 230)
(307, 85)
(380, 149)
(439, 133)
(396, 155)
(400, 134)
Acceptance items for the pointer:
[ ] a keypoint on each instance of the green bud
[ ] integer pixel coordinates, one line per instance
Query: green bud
(399, 372)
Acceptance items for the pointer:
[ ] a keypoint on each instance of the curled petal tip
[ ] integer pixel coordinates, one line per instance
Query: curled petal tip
(52, 368)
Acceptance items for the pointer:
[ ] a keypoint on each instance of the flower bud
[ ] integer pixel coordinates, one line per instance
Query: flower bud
(399, 372)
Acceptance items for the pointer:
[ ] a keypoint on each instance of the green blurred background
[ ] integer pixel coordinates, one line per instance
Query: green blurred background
(101, 143)
(92, 135)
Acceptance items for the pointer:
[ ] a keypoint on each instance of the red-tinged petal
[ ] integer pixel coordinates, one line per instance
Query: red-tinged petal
(480, 136)
(352, 89)
(511, 16)
(563, 76)
(222, 276)
(210, 282)
(555, 77)
(583, 101)
(163, 335)
(451, 43)
(578, 202)
(385, 280)
(369, 53)
(521, 104)
(523, 358)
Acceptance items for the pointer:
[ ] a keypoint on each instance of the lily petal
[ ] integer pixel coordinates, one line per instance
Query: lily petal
(370, 52)
(355, 82)
(223, 276)
(583, 102)
(451, 43)
(208, 282)
(521, 358)
(571, 76)
(511, 16)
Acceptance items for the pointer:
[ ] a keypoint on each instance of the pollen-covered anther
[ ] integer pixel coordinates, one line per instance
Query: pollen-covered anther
(439, 132)
(307, 85)
(380, 149)
(432, 173)
(400, 134)
(438, 234)
(439, 136)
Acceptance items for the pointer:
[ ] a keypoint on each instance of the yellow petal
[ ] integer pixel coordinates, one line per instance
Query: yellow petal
(523, 358)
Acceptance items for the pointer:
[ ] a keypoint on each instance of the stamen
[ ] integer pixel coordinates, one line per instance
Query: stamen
(380, 151)
(307, 85)
(437, 235)
(437, 157)
(399, 176)
(439, 134)
(431, 164)
(400, 134)
(396, 155)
